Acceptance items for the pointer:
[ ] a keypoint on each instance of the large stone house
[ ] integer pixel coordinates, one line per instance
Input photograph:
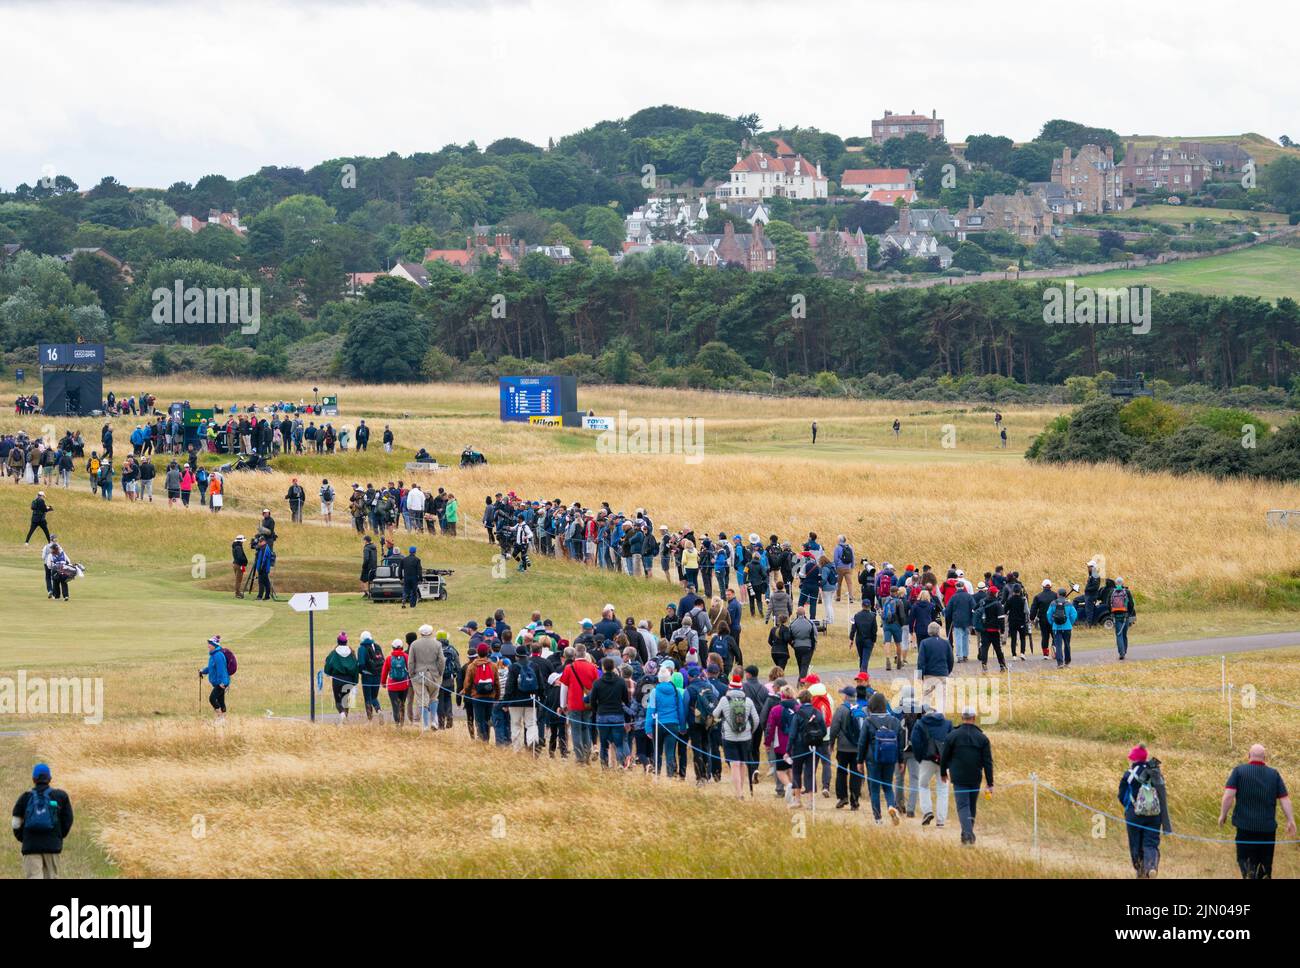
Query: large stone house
(478, 247)
(901, 125)
(916, 234)
(853, 244)
(752, 251)
(1091, 179)
(1178, 169)
(1027, 217)
(1222, 156)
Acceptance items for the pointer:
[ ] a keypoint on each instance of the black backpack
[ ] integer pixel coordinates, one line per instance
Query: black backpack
(451, 664)
(1059, 614)
(812, 728)
(374, 658)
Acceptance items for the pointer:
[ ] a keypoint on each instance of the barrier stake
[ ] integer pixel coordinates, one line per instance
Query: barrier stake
(1037, 853)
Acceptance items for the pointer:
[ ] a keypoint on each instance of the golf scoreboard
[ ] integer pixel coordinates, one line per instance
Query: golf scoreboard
(524, 397)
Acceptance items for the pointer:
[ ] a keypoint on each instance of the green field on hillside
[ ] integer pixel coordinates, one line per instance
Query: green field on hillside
(1267, 271)
(1187, 214)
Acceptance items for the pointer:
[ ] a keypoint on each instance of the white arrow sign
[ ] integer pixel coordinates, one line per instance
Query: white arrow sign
(310, 602)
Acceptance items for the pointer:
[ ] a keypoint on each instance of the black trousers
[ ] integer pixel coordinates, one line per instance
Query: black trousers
(1255, 859)
(264, 585)
(32, 530)
(993, 639)
(848, 778)
(218, 698)
(58, 585)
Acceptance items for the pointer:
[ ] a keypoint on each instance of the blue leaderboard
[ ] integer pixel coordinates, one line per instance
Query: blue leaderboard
(537, 396)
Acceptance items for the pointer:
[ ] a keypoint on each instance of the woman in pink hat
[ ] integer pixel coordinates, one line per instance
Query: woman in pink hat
(1146, 810)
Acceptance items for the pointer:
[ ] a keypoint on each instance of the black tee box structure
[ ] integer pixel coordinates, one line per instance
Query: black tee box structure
(72, 378)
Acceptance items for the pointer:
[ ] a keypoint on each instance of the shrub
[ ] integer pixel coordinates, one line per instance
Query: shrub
(1230, 421)
(1149, 419)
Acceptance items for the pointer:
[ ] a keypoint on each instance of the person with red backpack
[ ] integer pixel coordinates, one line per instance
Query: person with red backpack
(396, 678)
(480, 688)
(218, 670)
(1123, 612)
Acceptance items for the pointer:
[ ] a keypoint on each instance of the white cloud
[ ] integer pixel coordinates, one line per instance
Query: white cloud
(152, 93)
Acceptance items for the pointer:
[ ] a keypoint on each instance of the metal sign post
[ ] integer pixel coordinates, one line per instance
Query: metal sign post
(311, 603)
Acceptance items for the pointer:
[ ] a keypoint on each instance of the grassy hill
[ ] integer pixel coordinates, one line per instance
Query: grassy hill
(1180, 215)
(1267, 271)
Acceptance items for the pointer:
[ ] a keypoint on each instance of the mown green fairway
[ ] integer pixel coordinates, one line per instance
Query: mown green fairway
(1267, 271)
(1187, 214)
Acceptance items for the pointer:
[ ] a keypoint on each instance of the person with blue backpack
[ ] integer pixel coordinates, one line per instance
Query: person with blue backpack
(845, 734)
(1146, 810)
(665, 719)
(879, 748)
(41, 820)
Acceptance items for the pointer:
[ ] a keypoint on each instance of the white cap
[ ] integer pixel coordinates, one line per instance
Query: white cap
(399, 643)
(1047, 583)
(960, 573)
(426, 630)
(607, 608)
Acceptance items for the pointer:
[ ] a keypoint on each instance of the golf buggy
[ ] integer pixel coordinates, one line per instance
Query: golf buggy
(470, 457)
(247, 462)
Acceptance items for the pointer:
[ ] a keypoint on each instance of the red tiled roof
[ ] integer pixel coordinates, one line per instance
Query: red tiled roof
(873, 176)
(457, 257)
(753, 162)
(887, 196)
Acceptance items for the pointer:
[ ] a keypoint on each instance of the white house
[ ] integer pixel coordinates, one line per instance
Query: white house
(785, 174)
(867, 180)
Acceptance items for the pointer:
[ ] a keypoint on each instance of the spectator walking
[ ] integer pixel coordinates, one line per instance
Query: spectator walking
(42, 818)
(1253, 793)
(1146, 810)
(966, 759)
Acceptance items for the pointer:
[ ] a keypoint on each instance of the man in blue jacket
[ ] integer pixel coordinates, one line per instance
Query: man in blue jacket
(218, 676)
(1061, 615)
(934, 662)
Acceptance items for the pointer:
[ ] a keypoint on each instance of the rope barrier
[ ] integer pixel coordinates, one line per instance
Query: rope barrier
(684, 740)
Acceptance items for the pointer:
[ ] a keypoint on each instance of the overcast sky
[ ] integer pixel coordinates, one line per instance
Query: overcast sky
(155, 92)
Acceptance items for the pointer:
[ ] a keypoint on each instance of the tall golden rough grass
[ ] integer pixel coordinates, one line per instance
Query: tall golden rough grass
(279, 799)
